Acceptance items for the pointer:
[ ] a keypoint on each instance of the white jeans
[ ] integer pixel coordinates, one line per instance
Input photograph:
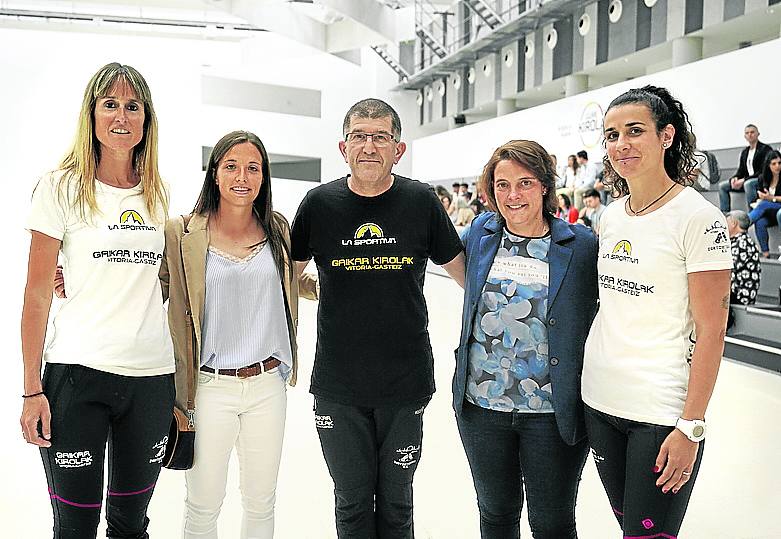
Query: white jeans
(250, 414)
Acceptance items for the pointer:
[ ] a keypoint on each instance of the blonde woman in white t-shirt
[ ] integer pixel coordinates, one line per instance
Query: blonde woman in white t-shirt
(109, 361)
(654, 349)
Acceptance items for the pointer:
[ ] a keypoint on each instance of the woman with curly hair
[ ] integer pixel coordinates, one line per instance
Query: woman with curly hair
(653, 352)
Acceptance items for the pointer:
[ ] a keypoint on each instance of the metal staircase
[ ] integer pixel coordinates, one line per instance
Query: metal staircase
(484, 11)
(382, 52)
(430, 41)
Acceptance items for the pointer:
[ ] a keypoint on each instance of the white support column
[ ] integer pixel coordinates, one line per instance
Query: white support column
(575, 84)
(686, 50)
(505, 106)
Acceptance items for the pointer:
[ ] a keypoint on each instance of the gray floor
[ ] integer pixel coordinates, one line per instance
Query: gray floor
(736, 497)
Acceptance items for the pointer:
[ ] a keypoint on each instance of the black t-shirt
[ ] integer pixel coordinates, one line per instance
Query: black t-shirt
(371, 253)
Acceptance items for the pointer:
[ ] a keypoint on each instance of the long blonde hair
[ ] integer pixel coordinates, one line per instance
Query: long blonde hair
(81, 162)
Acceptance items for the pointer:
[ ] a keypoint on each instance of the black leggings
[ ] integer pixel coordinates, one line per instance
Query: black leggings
(625, 454)
(90, 407)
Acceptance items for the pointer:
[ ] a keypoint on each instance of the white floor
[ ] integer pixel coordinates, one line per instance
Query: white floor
(737, 496)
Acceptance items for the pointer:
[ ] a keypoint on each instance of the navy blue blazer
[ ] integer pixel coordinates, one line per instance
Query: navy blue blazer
(572, 303)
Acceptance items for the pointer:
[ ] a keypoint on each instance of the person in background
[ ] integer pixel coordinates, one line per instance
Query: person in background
(569, 176)
(465, 193)
(746, 269)
(593, 208)
(529, 299)
(767, 210)
(749, 166)
(565, 210)
(654, 350)
(227, 258)
(104, 210)
(585, 178)
(456, 190)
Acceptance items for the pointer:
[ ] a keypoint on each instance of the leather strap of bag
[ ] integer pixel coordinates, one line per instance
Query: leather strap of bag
(191, 341)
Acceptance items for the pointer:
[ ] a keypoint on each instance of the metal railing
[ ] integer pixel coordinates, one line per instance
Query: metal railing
(442, 32)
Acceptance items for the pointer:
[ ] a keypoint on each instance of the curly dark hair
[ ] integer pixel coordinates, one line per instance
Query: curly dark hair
(679, 160)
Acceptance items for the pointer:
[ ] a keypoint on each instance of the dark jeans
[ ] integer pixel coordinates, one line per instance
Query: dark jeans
(750, 187)
(512, 452)
(372, 455)
(766, 214)
(625, 453)
(89, 408)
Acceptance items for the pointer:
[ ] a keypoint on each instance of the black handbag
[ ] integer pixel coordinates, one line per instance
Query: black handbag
(180, 448)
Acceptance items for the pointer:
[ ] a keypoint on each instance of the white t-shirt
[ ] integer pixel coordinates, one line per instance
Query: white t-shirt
(113, 319)
(750, 161)
(636, 363)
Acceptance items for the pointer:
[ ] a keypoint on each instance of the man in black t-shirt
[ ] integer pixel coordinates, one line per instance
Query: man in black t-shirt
(371, 234)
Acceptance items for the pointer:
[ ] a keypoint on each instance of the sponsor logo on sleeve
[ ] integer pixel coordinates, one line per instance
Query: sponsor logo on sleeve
(718, 237)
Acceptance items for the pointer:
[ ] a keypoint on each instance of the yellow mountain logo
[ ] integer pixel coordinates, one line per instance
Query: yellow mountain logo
(131, 217)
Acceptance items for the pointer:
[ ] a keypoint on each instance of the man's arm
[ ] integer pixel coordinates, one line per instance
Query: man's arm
(456, 269)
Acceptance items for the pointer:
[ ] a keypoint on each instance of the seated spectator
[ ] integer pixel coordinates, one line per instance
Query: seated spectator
(767, 211)
(458, 211)
(585, 179)
(593, 208)
(745, 260)
(570, 173)
(749, 166)
(566, 211)
(456, 190)
(464, 215)
(465, 193)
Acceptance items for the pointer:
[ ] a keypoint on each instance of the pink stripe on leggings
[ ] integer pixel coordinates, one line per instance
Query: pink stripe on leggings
(655, 536)
(74, 504)
(619, 513)
(147, 489)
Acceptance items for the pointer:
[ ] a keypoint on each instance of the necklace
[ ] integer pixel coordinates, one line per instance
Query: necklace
(641, 210)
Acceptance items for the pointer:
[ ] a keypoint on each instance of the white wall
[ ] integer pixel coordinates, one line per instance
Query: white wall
(721, 95)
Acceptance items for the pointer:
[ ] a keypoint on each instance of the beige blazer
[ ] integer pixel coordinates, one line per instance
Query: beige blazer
(185, 262)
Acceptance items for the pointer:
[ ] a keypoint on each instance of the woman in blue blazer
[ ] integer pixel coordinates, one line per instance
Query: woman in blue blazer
(530, 296)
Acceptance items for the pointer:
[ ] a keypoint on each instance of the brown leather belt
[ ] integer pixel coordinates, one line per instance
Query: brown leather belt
(248, 371)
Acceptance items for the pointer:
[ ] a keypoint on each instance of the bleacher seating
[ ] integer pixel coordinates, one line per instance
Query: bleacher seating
(755, 337)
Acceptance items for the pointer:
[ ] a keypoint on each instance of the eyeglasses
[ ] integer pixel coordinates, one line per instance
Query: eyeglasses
(379, 139)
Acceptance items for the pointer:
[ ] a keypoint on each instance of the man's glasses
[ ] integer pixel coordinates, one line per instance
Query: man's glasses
(379, 139)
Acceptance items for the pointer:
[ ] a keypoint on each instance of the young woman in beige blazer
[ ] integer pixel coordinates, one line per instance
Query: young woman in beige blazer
(233, 312)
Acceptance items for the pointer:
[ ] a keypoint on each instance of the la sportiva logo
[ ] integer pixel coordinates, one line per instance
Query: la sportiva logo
(131, 220)
(368, 234)
(132, 217)
(622, 252)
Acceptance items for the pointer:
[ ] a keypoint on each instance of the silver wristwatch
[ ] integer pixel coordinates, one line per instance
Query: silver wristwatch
(694, 429)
